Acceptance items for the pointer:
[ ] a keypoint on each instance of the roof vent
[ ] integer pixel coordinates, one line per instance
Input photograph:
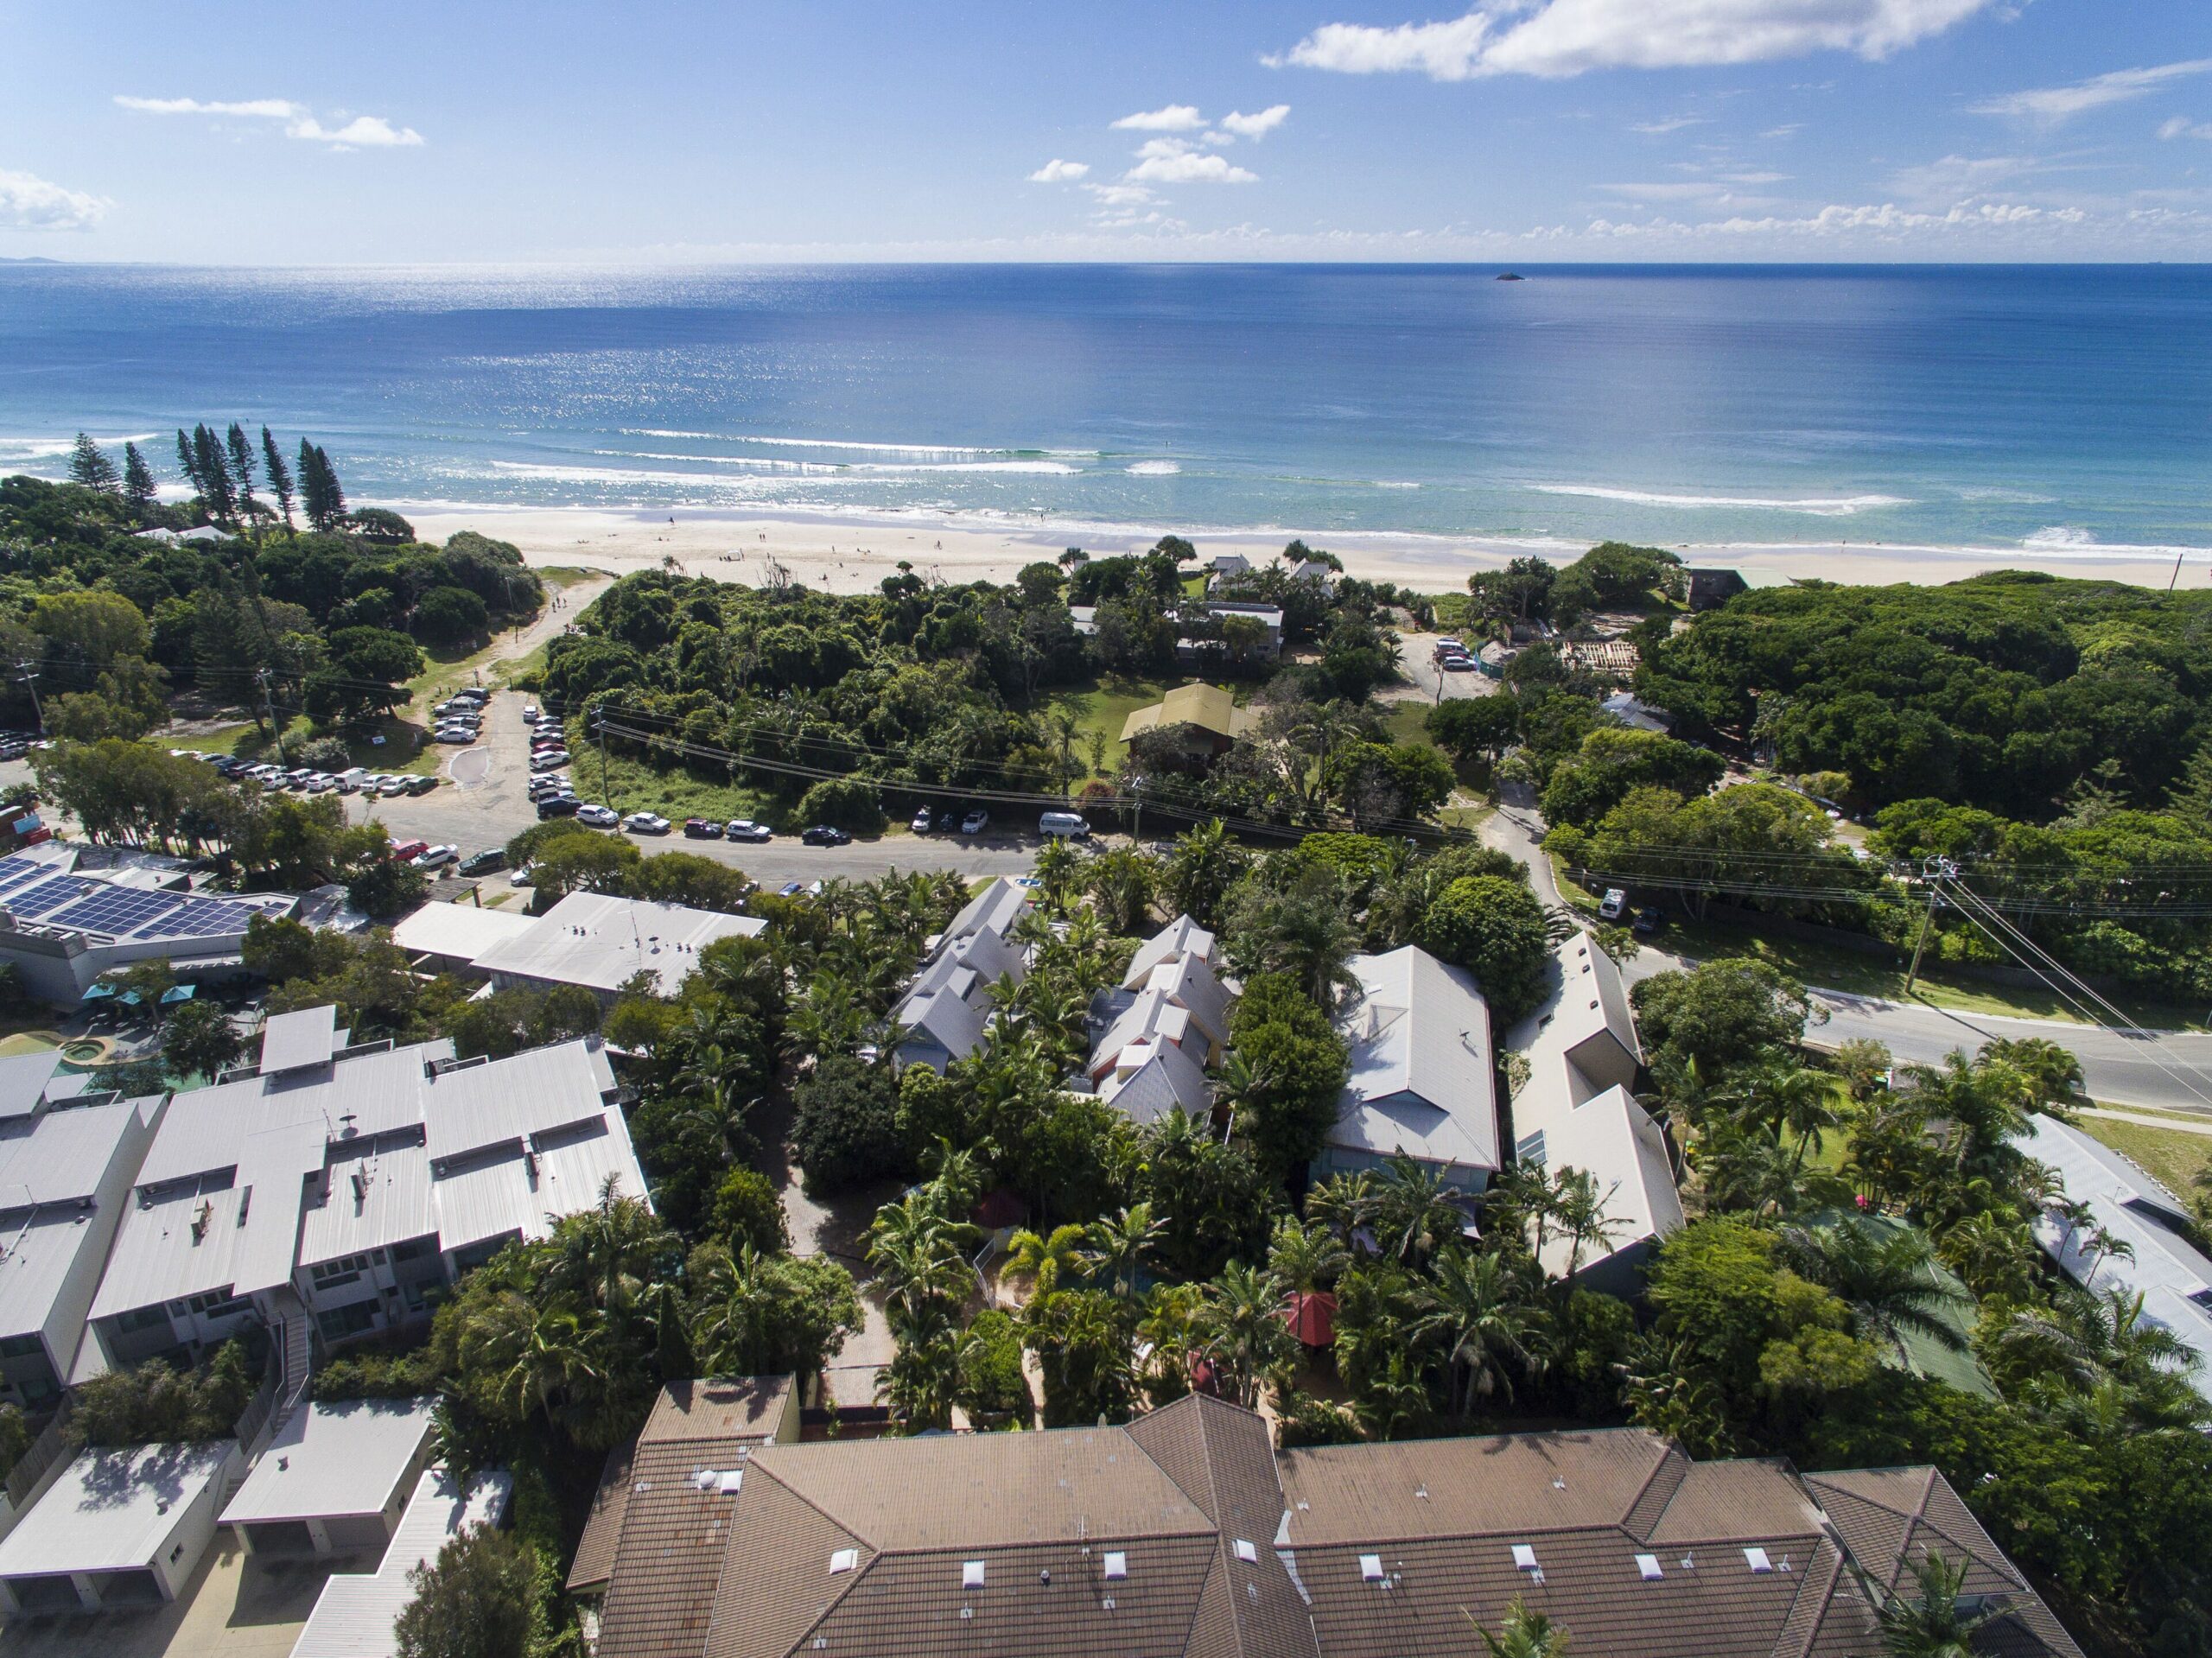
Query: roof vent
(1106, 1604)
(1045, 1575)
(1647, 1568)
(967, 1613)
(1370, 1567)
(1525, 1558)
(1756, 1559)
(844, 1560)
(971, 1574)
(1117, 1564)
(1246, 1553)
(1689, 1562)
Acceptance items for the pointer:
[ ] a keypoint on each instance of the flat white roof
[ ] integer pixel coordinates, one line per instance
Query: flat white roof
(599, 941)
(334, 1460)
(24, 1078)
(1419, 1032)
(291, 1040)
(353, 1616)
(112, 1510)
(48, 1175)
(459, 930)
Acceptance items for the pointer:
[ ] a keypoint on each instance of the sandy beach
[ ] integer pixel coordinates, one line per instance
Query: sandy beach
(851, 555)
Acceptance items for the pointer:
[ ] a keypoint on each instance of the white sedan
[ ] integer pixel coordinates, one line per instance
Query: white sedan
(644, 823)
(598, 816)
(433, 857)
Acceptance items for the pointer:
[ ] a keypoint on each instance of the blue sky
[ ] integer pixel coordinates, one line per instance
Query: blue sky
(1521, 130)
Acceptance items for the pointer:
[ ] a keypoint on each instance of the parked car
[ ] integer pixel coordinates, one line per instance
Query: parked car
(484, 862)
(408, 849)
(790, 889)
(462, 735)
(646, 823)
(701, 828)
(435, 857)
(1648, 922)
(391, 787)
(922, 821)
(421, 786)
(975, 822)
(550, 761)
(524, 876)
(598, 816)
(826, 834)
(559, 806)
(531, 714)
(744, 828)
(1458, 664)
(1615, 900)
(1067, 826)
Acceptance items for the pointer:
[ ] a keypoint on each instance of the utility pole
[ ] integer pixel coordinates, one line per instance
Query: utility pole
(599, 734)
(31, 679)
(1934, 870)
(261, 678)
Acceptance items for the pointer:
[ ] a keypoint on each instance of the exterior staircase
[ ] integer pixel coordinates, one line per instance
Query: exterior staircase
(293, 1364)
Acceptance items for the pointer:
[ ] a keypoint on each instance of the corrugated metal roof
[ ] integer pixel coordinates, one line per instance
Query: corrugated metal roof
(353, 1616)
(291, 1040)
(24, 1078)
(1419, 1032)
(1181, 936)
(49, 1169)
(333, 1460)
(997, 905)
(369, 1202)
(113, 1510)
(490, 1198)
(1166, 1079)
(475, 1107)
(1614, 1140)
(60, 1155)
(601, 941)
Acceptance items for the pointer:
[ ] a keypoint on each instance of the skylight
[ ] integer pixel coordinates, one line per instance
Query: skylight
(844, 1560)
(1117, 1564)
(971, 1574)
(1525, 1558)
(1756, 1559)
(1245, 1551)
(1647, 1566)
(1370, 1567)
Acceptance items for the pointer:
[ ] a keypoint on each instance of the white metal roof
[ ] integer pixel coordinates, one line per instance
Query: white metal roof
(1152, 1018)
(1418, 1032)
(367, 1202)
(601, 941)
(60, 1155)
(461, 932)
(334, 1460)
(305, 1038)
(492, 1197)
(946, 1019)
(997, 905)
(24, 1078)
(2174, 1279)
(1181, 936)
(113, 1510)
(48, 1173)
(471, 1108)
(1163, 1079)
(1613, 1140)
(354, 1615)
(984, 954)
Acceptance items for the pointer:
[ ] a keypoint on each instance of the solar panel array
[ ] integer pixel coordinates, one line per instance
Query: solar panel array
(93, 905)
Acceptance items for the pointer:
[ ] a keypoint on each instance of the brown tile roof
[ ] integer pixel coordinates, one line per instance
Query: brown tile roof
(1173, 1494)
(704, 1413)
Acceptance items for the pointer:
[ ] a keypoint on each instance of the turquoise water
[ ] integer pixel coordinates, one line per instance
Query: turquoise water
(2065, 409)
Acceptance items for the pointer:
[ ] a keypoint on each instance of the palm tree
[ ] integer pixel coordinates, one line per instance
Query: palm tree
(956, 1177)
(1121, 886)
(1043, 1260)
(1239, 1318)
(605, 1251)
(1345, 1204)
(922, 1382)
(1416, 1210)
(1473, 1309)
(915, 1250)
(1933, 1624)
(1994, 1253)
(2088, 1337)
(1170, 1333)
(1523, 1635)
(1305, 1257)
(1580, 1208)
(1888, 1278)
(1802, 1100)
(1059, 872)
(1120, 1246)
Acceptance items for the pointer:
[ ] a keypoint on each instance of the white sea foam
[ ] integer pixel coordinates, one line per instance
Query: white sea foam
(750, 462)
(45, 448)
(1154, 469)
(1055, 468)
(2068, 541)
(1823, 506)
(1395, 483)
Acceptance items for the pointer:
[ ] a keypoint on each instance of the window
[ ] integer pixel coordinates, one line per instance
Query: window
(18, 1347)
(414, 1249)
(343, 1270)
(350, 1320)
(143, 1319)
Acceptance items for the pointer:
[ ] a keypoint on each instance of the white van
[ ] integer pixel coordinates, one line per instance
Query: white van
(1616, 901)
(1063, 825)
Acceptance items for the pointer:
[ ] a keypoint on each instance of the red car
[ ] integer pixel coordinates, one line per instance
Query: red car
(407, 849)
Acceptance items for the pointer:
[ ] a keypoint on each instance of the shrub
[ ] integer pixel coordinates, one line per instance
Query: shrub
(156, 1404)
(746, 1211)
(991, 1379)
(379, 1375)
(845, 1128)
(1497, 930)
(852, 804)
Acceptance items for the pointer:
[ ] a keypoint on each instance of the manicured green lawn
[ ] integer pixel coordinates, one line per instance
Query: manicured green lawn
(1104, 705)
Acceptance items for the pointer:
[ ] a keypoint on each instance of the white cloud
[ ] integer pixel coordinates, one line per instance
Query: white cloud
(274, 109)
(1119, 195)
(1057, 171)
(2051, 104)
(31, 203)
(363, 131)
(1566, 37)
(2179, 127)
(1183, 165)
(369, 131)
(1787, 129)
(1258, 126)
(1176, 118)
(1672, 124)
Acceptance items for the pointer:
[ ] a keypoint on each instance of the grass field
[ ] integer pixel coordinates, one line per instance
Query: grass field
(1105, 706)
(404, 750)
(633, 785)
(2174, 1158)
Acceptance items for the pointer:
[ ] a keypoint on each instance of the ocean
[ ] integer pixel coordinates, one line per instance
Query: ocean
(2060, 410)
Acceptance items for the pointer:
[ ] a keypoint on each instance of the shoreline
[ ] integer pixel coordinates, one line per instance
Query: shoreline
(853, 553)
